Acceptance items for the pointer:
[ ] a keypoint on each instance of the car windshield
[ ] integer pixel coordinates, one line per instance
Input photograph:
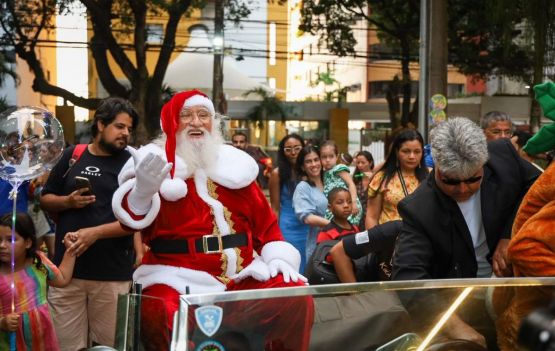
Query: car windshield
(384, 316)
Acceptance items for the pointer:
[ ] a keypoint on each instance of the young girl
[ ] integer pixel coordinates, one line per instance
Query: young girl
(31, 319)
(361, 178)
(338, 175)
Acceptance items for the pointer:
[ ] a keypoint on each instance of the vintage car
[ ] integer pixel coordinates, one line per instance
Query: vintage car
(406, 315)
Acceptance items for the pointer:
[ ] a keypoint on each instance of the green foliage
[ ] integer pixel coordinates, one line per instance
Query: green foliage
(269, 106)
(338, 94)
(483, 40)
(118, 43)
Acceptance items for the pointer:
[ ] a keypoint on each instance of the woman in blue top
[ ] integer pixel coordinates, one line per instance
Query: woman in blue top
(283, 181)
(309, 200)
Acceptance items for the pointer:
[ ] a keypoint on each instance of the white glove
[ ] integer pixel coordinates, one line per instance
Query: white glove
(289, 273)
(150, 172)
(257, 269)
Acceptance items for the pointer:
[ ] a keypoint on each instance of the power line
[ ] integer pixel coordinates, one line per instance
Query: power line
(264, 54)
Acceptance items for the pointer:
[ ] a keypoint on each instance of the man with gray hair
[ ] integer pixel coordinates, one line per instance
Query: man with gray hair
(458, 223)
(496, 125)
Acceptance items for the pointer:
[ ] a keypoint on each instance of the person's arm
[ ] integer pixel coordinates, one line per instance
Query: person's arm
(82, 239)
(305, 208)
(139, 248)
(58, 203)
(414, 252)
(273, 186)
(66, 271)
(373, 210)
(316, 221)
(342, 264)
(352, 189)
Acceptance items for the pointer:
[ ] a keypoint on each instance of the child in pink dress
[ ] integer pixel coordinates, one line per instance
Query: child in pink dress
(30, 318)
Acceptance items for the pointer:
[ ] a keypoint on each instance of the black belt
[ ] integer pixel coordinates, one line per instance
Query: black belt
(211, 243)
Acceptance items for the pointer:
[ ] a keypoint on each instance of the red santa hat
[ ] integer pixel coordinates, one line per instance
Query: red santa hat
(175, 189)
(170, 117)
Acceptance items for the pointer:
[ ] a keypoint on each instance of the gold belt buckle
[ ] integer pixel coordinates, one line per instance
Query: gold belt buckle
(205, 244)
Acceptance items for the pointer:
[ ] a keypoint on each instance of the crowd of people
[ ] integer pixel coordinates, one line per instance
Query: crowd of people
(186, 214)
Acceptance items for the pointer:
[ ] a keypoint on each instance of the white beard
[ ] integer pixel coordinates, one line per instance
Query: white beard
(198, 153)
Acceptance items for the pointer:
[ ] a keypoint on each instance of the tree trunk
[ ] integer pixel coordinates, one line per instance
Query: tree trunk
(393, 103)
(540, 36)
(405, 69)
(438, 48)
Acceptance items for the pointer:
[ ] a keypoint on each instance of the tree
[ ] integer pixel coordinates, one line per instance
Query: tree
(396, 22)
(482, 43)
(536, 19)
(477, 42)
(269, 106)
(339, 94)
(7, 61)
(119, 27)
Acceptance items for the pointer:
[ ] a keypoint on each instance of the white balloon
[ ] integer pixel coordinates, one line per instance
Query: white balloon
(31, 142)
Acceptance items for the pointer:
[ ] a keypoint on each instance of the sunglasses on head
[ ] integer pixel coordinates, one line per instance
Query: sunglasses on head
(470, 180)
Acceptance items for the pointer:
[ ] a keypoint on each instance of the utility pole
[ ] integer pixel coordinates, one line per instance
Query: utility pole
(437, 52)
(218, 77)
(433, 57)
(423, 93)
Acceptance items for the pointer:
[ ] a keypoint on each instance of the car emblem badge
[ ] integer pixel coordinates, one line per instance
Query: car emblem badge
(209, 319)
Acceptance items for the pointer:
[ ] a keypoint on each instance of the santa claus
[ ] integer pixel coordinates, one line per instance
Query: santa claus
(208, 225)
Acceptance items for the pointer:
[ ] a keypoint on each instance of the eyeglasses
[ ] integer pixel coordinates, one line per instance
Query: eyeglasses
(454, 182)
(189, 115)
(292, 149)
(507, 133)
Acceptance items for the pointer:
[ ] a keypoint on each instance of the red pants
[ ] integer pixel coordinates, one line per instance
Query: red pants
(285, 323)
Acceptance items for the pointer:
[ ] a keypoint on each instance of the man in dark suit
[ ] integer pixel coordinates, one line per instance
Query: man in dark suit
(458, 223)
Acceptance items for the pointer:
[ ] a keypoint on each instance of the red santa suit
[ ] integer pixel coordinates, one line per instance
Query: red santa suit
(217, 202)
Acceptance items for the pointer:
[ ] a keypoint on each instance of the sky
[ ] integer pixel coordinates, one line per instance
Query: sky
(72, 59)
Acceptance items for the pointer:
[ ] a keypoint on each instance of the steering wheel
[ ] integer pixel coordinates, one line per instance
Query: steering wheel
(457, 345)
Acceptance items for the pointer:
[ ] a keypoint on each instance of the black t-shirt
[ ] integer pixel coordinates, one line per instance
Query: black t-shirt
(107, 259)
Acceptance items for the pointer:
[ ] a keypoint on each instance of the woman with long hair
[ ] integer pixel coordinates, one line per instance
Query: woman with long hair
(364, 165)
(402, 172)
(283, 181)
(309, 200)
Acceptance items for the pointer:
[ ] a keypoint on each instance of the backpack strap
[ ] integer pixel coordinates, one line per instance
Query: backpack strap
(75, 156)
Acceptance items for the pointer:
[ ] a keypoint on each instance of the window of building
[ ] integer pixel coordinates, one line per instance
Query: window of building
(273, 43)
(378, 89)
(454, 90)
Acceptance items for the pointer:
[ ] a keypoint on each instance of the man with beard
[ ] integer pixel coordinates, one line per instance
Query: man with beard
(85, 311)
(209, 227)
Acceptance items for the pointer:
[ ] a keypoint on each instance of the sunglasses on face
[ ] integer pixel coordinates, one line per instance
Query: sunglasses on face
(292, 149)
(470, 180)
(508, 133)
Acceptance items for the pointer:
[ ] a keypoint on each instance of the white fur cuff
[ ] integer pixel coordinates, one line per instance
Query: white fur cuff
(124, 217)
(282, 250)
(178, 278)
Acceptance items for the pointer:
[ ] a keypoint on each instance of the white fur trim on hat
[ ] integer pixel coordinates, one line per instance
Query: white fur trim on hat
(173, 189)
(282, 250)
(199, 100)
(124, 217)
(178, 278)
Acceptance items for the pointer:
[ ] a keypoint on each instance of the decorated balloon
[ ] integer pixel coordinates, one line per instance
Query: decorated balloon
(31, 142)
(438, 102)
